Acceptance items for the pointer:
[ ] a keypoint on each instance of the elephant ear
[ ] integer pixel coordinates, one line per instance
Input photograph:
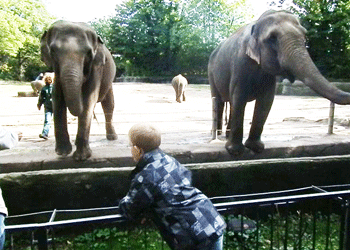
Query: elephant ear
(253, 50)
(45, 51)
(100, 56)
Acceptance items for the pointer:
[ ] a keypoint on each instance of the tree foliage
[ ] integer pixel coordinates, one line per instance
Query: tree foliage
(21, 25)
(204, 23)
(166, 37)
(141, 36)
(160, 37)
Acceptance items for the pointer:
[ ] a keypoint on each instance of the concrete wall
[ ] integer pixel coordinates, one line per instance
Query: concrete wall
(96, 187)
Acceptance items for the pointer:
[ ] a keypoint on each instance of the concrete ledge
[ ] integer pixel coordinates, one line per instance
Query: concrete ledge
(115, 156)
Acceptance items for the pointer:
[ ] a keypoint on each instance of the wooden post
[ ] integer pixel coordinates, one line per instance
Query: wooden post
(331, 118)
(214, 132)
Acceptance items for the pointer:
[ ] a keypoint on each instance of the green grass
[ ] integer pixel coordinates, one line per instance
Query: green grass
(148, 237)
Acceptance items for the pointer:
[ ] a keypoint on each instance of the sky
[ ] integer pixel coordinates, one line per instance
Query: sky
(85, 11)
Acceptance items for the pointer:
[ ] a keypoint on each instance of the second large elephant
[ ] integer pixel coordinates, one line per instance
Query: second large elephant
(84, 71)
(244, 68)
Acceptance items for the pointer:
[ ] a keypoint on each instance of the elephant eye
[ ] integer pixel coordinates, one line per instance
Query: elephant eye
(89, 54)
(272, 38)
(53, 51)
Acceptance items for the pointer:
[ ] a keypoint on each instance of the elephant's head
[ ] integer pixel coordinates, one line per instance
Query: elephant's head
(72, 50)
(277, 44)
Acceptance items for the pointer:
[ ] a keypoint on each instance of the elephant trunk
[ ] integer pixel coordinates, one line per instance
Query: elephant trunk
(72, 81)
(303, 68)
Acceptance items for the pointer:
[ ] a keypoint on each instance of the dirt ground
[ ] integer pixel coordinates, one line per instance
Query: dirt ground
(291, 118)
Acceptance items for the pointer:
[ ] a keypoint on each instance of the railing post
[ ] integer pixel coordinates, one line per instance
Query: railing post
(331, 118)
(41, 235)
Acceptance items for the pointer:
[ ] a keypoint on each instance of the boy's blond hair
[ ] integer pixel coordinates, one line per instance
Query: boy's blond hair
(48, 78)
(145, 136)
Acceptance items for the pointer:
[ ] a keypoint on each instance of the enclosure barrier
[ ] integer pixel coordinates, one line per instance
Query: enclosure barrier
(306, 218)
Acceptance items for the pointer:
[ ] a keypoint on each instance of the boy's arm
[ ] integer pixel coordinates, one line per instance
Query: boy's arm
(41, 99)
(137, 201)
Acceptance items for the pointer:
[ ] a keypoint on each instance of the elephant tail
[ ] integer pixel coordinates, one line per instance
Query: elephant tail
(95, 117)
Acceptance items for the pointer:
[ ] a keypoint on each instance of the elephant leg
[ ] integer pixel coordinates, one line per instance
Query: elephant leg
(176, 93)
(234, 143)
(63, 144)
(183, 96)
(108, 108)
(83, 150)
(261, 111)
(218, 109)
(179, 93)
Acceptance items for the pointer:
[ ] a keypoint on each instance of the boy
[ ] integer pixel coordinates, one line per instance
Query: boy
(45, 98)
(161, 188)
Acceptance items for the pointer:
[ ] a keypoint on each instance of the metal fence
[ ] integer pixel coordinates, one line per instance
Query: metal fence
(306, 218)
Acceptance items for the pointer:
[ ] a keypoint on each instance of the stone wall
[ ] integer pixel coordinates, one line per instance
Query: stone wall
(34, 191)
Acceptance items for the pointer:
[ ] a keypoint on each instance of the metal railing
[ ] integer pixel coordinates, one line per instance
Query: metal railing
(306, 218)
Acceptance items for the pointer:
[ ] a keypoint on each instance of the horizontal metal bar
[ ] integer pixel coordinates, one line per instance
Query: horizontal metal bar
(74, 222)
(292, 198)
(220, 206)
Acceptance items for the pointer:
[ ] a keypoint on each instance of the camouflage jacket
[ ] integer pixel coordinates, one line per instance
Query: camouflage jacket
(161, 188)
(45, 97)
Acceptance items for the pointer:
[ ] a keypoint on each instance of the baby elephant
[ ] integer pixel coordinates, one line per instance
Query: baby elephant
(179, 83)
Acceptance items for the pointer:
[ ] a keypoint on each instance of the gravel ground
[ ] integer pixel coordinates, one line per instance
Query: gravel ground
(187, 123)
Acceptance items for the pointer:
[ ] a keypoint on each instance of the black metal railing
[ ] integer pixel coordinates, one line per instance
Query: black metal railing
(306, 218)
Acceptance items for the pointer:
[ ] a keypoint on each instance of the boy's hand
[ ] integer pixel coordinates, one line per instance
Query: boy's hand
(39, 106)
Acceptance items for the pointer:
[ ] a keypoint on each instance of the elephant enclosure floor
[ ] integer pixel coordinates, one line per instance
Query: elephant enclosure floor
(293, 122)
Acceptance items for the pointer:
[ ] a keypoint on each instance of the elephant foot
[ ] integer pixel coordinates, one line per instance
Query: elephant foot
(63, 149)
(81, 154)
(112, 137)
(228, 131)
(234, 149)
(257, 146)
(111, 134)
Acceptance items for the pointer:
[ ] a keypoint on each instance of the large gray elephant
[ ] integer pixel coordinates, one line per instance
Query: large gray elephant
(84, 70)
(244, 68)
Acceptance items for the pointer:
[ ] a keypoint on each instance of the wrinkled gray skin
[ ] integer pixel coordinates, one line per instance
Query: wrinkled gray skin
(244, 68)
(179, 84)
(84, 70)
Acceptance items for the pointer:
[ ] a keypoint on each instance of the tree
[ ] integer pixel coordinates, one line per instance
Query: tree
(204, 24)
(142, 36)
(162, 37)
(21, 25)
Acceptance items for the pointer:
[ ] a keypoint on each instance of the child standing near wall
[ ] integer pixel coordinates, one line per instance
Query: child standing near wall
(161, 189)
(45, 98)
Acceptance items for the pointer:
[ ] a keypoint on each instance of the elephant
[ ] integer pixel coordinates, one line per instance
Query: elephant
(244, 68)
(84, 70)
(179, 83)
